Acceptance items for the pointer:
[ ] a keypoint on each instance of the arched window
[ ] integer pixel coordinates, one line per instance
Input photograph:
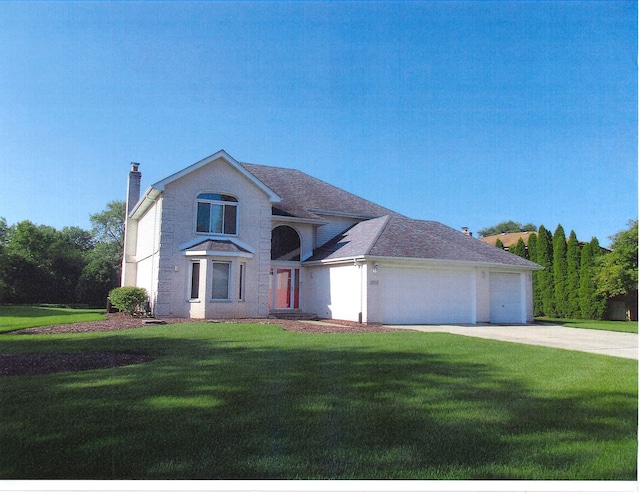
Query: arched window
(217, 213)
(285, 244)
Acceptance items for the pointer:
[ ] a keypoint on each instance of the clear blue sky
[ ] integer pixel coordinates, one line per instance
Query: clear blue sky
(467, 113)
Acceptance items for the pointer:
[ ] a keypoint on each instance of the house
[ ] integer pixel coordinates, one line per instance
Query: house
(225, 239)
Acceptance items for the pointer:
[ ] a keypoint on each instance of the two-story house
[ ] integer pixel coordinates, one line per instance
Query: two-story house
(224, 239)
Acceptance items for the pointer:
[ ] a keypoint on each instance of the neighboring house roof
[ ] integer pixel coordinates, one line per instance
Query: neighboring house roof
(304, 196)
(399, 237)
(507, 239)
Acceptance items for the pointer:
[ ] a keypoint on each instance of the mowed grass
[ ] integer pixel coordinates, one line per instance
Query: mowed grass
(235, 401)
(619, 326)
(13, 317)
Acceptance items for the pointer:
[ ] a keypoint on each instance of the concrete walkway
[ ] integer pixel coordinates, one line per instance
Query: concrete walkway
(623, 345)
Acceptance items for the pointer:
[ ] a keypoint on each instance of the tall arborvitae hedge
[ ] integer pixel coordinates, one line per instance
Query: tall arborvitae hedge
(592, 306)
(544, 278)
(573, 276)
(560, 288)
(566, 286)
(532, 248)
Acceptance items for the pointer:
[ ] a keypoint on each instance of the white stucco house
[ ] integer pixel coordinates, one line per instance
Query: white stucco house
(225, 239)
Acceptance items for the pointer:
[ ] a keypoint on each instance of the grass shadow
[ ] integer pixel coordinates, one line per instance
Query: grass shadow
(291, 407)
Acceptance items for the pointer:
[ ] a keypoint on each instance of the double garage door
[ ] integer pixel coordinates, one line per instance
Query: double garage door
(427, 296)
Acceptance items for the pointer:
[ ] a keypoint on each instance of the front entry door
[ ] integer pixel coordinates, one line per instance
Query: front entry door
(287, 289)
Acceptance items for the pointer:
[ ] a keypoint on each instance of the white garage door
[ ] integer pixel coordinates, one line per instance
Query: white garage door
(421, 296)
(505, 298)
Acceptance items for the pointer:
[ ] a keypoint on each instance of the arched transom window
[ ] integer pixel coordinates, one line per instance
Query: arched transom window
(217, 213)
(285, 244)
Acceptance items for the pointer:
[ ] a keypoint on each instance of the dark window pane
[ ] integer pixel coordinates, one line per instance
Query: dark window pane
(195, 280)
(202, 222)
(230, 218)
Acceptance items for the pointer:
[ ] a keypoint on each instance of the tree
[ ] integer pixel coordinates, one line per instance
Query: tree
(102, 271)
(532, 248)
(560, 271)
(617, 272)
(499, 244)
(544, 278)
(108, 225)
(573, 276)
(592, 304)
(42, 264)
(506, 227)
(519, 249)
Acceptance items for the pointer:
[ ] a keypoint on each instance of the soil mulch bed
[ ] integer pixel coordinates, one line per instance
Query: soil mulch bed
(118, 321)
(48, 363)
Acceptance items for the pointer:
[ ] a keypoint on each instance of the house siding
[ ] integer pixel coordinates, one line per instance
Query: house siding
(178, 226)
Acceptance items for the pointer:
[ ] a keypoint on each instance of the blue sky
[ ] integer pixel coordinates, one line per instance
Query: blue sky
(467, 113)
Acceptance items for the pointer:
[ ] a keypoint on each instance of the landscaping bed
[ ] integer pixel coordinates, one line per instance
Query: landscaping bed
(47, 363)
(118, 321)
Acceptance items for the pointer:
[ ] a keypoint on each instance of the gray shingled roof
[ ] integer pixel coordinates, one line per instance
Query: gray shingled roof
(216, 245)
(399, 237)
(303, 195)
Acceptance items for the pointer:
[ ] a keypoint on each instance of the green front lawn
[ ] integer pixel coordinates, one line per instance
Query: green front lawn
(619, 326)
(234, 401)
(13, 317)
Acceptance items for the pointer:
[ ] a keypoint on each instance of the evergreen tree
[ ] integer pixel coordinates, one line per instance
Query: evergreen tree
(519, 249)
(544, 257)
(573, 276)
(591, 304)
(532, 249)
(560, 271)
(499, 244)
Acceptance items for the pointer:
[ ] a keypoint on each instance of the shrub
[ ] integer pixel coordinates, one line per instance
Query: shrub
(128, 299)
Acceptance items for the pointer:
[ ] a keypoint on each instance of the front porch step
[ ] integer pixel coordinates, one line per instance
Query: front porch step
(293, 315)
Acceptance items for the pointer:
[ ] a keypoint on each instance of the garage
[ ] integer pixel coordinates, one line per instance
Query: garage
(427, 296)
(506, 298)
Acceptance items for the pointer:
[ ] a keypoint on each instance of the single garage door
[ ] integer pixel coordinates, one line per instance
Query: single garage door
(427, 296)
(505, 293)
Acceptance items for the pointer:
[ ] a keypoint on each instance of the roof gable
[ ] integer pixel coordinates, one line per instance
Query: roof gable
(222, 154)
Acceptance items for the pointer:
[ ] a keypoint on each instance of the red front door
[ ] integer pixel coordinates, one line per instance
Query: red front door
(287, 289)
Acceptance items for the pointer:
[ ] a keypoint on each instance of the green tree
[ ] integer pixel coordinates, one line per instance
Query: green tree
(573, 276)
(519, 249)
(102, 271)
(507, 227)
(617, 272)
(592, 304)
(544, 257)
(499, 244)
(42, 264)
(532, 249)
(560, 271)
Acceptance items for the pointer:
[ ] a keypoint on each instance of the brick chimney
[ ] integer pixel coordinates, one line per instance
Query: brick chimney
(133, 187)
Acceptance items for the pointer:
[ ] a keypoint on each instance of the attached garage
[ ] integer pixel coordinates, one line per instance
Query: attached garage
(506, 296)
(427, 296)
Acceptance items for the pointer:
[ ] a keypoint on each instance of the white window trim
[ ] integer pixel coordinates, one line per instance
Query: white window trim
(218, 203)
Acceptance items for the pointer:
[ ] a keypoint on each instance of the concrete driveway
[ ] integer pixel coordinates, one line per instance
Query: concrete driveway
(623, 345)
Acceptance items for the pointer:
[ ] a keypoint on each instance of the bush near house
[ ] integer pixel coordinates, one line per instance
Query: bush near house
(129, 299)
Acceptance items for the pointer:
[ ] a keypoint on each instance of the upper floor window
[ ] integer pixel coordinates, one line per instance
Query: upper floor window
(217, 213)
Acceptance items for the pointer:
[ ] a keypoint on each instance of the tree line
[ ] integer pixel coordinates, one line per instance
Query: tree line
(579, 279)
(40, 264)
